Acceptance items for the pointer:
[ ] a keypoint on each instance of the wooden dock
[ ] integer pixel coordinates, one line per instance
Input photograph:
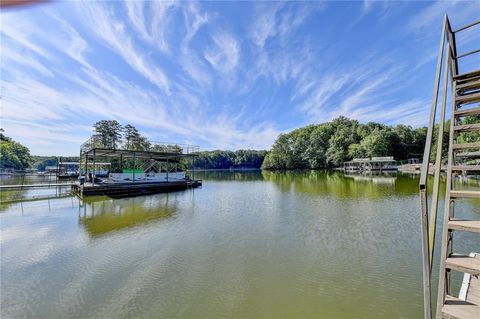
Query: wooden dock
(467, 304)
(119, 190)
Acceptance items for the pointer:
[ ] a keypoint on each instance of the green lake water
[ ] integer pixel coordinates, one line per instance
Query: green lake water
(253, 244)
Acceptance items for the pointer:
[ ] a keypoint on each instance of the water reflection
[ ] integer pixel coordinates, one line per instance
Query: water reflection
(101, 215)
(12, 196)
(227, 175)
(335, 183)
(328, 183)
(245, 245)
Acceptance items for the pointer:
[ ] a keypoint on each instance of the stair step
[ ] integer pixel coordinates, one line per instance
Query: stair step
(465, 225)
(468, 112)
(464, 194)
(464, 146)
(468, 98)
(467, 127)
(463, 263)
(469, 155)
(468, 75)
(457, 308)
(468, 168)
(468, 85)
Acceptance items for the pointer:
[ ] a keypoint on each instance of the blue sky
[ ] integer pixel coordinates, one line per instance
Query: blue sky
(222, 75)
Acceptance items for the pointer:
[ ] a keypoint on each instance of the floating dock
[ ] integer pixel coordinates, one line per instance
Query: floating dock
(132, 189)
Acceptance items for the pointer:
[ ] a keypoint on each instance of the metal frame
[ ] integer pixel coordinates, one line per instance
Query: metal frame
(429, 222)
(155, 153)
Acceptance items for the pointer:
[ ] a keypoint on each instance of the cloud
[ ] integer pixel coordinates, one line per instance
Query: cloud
(265, 25)
(151, 27)
(189, 72)
(18, 29)
(278, 20)
(113, 33)
(11, 54)
(225, 54)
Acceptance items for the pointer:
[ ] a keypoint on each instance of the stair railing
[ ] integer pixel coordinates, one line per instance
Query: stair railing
(427, 245)
(449, 61)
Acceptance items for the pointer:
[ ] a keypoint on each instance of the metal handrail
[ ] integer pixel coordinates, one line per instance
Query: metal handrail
(467, 54)
(462, 29)
(427, 297)
(429, 138)
(467, 26)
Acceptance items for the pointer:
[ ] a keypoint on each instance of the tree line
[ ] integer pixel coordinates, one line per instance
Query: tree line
(323, 145)
(229, 159)
(330, 144)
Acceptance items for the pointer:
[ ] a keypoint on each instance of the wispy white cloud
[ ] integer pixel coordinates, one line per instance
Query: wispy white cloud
(18, 29)
(113, 33)
(12, 54)
(265, 25)
(216, 82)
(151, 20)
(225, 54)
(277, 20)
(190, 60)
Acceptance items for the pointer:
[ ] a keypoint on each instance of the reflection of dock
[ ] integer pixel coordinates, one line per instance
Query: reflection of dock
(26, 186)
(376, 179)
(101, 217)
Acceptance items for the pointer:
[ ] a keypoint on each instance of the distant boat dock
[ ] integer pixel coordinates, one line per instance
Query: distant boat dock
(375, 164)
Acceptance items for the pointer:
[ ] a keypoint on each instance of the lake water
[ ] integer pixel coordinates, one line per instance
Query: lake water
(246, 245)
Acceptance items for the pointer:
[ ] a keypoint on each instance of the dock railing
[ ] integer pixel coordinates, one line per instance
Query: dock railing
(99, 141)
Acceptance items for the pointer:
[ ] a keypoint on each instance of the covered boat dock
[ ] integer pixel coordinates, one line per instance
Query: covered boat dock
(375, 164)
(133, 170)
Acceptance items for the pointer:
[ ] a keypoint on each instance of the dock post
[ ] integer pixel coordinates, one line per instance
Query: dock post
(94, 167)
(134, 166)
(167, 169)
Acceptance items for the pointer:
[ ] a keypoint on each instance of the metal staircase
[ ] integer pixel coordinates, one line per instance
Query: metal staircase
(463, 159)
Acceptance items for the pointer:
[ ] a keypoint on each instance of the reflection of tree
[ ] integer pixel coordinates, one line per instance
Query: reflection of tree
(100, 215)
(225, 175)
(9, 197)
(337, 184)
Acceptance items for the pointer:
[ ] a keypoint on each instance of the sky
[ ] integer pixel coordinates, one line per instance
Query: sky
(221, 75)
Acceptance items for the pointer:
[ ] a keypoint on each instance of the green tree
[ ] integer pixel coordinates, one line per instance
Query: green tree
(377, 143)
(344, 135)
(330, 144)
(318, 145)
(131, 136)
(13, 155)
(109, 133)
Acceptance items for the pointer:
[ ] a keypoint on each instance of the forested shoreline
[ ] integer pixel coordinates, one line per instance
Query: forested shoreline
(329, 144)
(325, 145)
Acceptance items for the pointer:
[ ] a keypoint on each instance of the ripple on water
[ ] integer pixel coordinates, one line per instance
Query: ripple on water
(273, 245)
